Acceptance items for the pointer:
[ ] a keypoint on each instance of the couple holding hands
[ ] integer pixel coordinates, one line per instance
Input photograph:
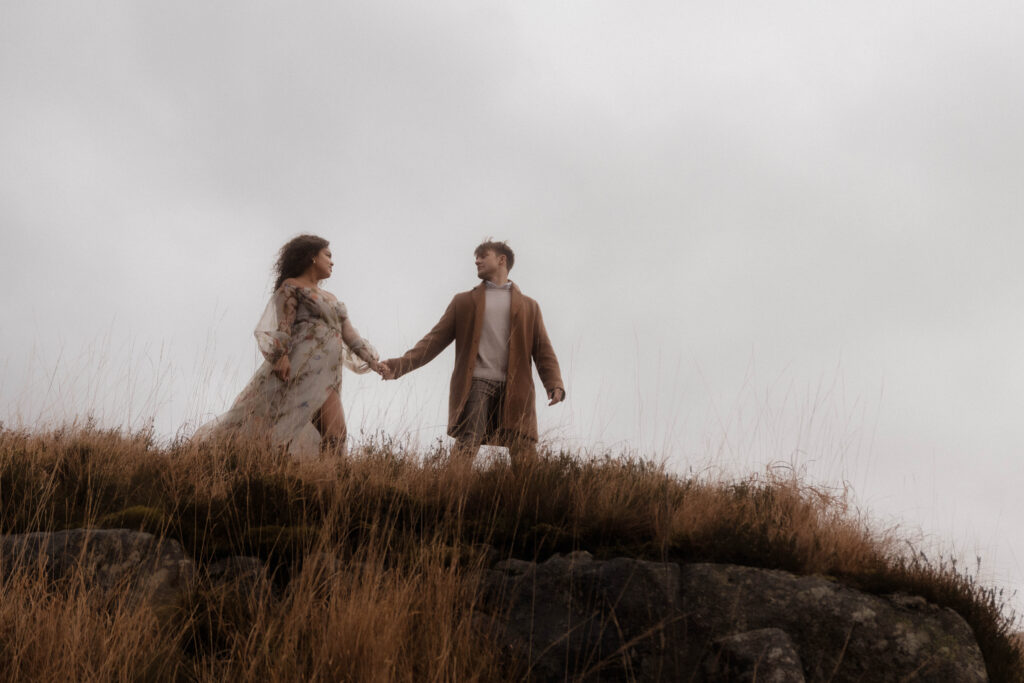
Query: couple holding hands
(306, 336)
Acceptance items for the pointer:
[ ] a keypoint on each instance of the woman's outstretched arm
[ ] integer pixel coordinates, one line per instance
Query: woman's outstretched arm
(359, 346)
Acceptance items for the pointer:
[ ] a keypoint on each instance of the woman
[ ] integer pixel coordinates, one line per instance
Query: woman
(305, 336)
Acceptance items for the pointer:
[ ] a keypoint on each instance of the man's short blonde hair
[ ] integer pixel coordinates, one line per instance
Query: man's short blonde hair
(499, 248)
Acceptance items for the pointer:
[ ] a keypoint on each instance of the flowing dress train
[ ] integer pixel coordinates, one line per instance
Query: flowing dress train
(313, 329)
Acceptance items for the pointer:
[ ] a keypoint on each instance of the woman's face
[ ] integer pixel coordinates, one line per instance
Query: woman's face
(322, 264)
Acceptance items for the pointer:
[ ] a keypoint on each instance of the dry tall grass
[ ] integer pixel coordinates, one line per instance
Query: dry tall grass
(369, 555)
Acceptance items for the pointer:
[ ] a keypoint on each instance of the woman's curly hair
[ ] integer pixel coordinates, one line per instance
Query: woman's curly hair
(297, 255)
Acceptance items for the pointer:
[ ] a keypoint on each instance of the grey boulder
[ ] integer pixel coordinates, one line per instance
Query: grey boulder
(155, 571)
(573, 617)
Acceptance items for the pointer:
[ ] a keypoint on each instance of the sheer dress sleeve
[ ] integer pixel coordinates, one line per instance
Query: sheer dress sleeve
(274, 330)
(358, 351)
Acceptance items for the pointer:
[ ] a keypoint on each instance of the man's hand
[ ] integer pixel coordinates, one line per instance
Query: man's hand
(385, 370)
(283, 368)
(557, 395)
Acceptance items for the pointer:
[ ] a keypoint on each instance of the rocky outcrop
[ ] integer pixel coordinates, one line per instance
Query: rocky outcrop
(840, 634)
(576, 618)
(154, 570)
(623, 619)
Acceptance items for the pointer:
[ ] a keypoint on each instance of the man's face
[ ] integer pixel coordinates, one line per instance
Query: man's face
(488, 264)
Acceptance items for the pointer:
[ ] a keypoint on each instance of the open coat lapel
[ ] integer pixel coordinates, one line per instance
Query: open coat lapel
(479, 303)
(515, 322)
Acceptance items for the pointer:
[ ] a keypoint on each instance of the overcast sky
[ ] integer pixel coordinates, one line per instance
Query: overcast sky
(759, 233)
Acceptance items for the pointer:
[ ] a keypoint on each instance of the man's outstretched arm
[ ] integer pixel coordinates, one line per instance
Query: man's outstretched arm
(426, 349)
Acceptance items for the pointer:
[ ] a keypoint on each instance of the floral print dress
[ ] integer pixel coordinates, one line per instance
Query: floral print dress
(313, 329)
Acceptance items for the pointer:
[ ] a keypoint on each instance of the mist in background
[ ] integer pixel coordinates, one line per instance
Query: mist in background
(782, 235)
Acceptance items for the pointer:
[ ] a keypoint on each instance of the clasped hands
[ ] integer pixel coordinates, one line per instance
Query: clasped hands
(383, 369)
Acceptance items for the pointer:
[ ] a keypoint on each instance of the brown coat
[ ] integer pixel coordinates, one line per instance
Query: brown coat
(462, 322)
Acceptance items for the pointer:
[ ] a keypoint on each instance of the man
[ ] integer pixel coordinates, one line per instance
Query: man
(498, 333)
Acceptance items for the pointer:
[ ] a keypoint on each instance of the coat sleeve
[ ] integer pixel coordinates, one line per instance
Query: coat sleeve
(427, 348)
(544, 357)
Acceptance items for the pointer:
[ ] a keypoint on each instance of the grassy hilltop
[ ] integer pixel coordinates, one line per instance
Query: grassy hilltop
(370, 554)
